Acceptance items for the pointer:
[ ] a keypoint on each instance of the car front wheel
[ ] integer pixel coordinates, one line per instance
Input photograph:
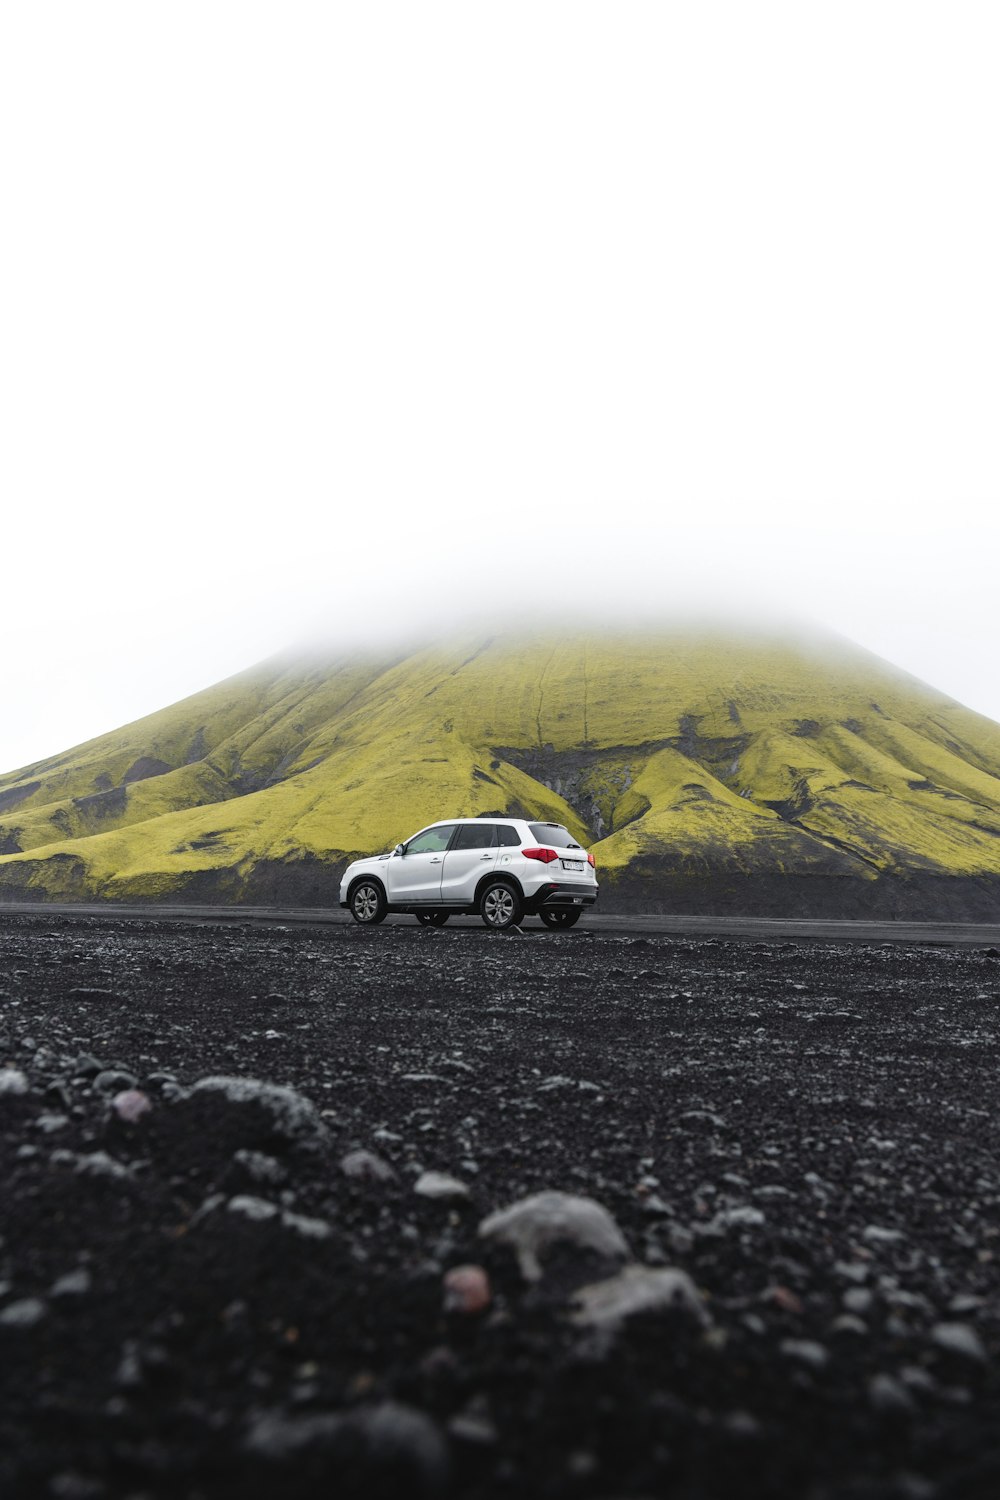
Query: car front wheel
(500, 906)
(560, 919)
(368, 903)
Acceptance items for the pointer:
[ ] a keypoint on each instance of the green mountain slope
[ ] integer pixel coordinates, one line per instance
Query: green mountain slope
(708, 771)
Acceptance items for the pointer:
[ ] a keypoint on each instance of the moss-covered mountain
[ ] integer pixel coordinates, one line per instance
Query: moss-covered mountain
(710, 772)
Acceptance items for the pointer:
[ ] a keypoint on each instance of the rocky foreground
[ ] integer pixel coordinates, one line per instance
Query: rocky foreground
(420, 1213)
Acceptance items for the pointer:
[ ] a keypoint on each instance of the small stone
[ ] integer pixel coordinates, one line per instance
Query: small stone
(852, 1270)
(742, 1217)
(256, 1209)
(49, 1124)
(130, 1105)
(876, 1235)
(73, 1284)
(308, 1228)
(260, 1168)
(741, 1424)
(466, 1290)
(534, 1224)
(26, 1313)
(440, 1186)
(786, 1299)
(112, 1080)
(13, 1081)
(291, 1116)
(961, 1339)
(858, 1299)
(806, 1352)
(69, 1485)
(849, 1323)
(366, 1166)
(100, 1164)
(473, 1428)
(638, 1289)
(86, 1066)
(889, 1396)
(388, 1440)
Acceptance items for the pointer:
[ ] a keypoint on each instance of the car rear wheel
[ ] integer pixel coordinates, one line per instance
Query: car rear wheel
(560, 919)
(368, 903)
(432, 918)
(500, 906)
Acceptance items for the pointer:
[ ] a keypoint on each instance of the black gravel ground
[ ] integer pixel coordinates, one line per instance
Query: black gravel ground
(204, 1303)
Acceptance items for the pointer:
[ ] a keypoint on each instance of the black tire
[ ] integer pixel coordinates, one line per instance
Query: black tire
(432, 918)
(367, 903)
(560, 920)
(500, 906)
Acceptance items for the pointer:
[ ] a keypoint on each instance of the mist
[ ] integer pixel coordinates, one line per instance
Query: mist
(359, 328)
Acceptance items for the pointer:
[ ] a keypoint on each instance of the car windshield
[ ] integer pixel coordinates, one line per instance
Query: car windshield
(553, 834)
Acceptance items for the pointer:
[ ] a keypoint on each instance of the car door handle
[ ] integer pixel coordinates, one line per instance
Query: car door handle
(486, 856)
(436, 860)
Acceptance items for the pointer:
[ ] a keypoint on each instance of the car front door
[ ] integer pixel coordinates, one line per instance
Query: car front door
(472, 855)
(415, 875)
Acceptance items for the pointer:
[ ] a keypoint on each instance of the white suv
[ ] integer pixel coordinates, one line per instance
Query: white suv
(499, 868)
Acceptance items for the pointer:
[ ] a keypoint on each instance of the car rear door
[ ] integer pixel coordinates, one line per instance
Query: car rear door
(472, 855)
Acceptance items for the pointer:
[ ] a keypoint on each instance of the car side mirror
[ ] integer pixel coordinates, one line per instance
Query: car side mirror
(398, 849)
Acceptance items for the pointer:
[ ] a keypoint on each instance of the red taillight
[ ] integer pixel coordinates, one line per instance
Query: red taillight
(592, 861)
(545, 855)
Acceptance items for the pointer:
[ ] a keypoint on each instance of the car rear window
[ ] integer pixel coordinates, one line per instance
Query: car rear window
(507, 838)
(553, 834)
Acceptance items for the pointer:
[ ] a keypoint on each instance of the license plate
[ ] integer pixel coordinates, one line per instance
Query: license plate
(572, 864)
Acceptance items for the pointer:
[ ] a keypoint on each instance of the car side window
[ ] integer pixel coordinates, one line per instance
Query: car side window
(431, 841)
(507, 837)
(475, 836)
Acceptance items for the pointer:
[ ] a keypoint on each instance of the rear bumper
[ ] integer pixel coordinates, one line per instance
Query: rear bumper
(563, 893)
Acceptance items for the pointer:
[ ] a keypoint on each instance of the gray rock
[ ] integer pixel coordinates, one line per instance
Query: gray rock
(49, 1124)
(114, 1080)
(292, 1116)
(13, 1081)
(441, 1186)
(858, 1299)
(534, 1224)
(852, 1270)
(393, 1441)
(961, 1339)
(69, 1485)
(849, 1323)
(260, 1211)
(100, 1164)
(26, 1313)
(890, 1396)
(876, 1235)
(261, 1168)
(366, 1166)
(86, 1066)
(74, 1284)
(806, 1352)
(638, 1289)
(742, 1217)
(309, 1229)
(256, 1209)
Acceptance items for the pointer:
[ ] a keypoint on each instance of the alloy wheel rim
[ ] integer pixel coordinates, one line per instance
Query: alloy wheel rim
(366, 903)
(499, 907)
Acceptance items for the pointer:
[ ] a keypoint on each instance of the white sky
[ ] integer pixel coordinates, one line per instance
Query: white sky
(346, 316)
